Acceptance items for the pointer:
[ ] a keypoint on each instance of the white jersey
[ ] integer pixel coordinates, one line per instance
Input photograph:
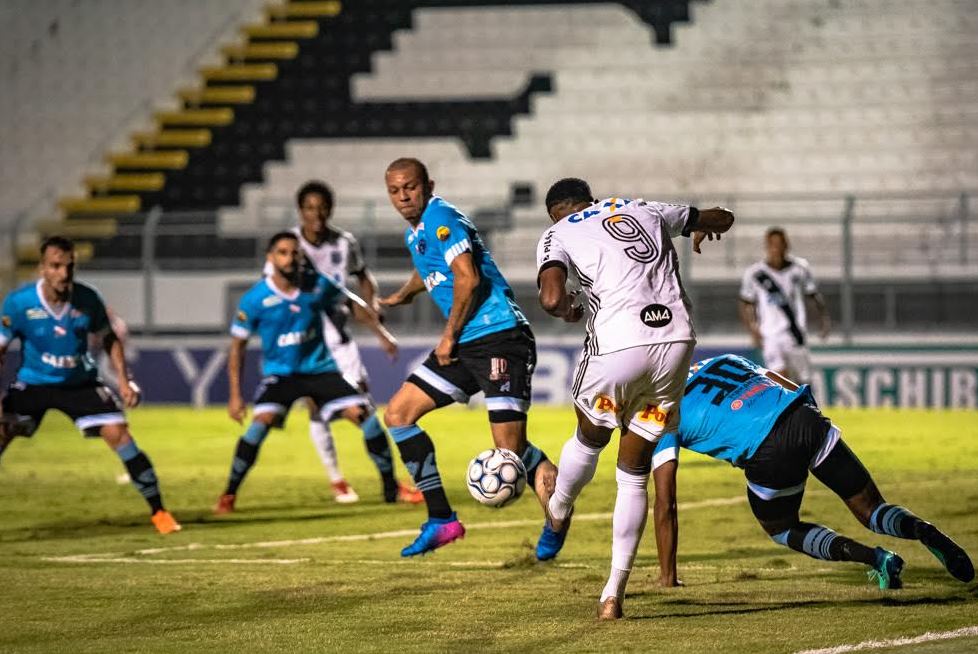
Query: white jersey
(623, 255)
(779, 298)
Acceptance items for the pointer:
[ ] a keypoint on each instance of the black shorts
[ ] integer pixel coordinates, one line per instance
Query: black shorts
(803, 439)
(500, 364)
(330, 392)
(91, 406)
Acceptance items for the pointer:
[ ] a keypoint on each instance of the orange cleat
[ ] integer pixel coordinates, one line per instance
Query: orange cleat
(409, 494)
(165, 523)
(225, 504)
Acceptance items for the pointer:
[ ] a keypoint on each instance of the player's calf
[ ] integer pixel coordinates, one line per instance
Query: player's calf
(245, 455)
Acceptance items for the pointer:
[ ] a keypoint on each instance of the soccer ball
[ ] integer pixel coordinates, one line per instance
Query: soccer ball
(496, 477)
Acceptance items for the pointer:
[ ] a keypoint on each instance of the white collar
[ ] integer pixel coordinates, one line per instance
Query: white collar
(282, 294)
(57, 315)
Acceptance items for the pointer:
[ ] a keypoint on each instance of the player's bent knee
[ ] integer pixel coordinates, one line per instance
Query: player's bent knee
(115, 436)
(355, 414)
(593, 436)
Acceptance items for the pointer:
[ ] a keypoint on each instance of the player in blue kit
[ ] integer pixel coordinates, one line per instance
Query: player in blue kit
(286, 310)
(486, 345)
(755, 419)
(53, 319)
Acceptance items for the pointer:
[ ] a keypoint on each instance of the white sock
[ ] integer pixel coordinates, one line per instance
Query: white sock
(322, 438)
(577, 465)
(627, 525)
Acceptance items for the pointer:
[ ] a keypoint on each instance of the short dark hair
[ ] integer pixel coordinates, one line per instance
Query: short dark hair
(272, 242)
(411, 162)
(58, 243)
(314, 186)
(569, 189)
(775, 231)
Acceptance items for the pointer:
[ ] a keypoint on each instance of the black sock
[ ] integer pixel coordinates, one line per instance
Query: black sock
(244, 457)
(893, 520)
(822, 543)
(143, 477)
(418, 454)
(379, 449)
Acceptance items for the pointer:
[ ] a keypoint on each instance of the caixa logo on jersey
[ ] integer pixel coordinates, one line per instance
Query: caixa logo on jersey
(656, 315)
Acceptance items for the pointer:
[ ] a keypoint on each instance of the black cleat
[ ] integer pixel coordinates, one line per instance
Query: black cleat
(949, 553)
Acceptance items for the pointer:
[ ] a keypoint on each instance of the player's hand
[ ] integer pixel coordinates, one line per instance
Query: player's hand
(131, 394)
(445, 350)
(394, 300)
(574, 311)
(699, 237)
(389, 344)
(236, 409)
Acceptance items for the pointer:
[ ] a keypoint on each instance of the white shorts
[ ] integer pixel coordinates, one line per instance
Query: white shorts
(783, 354)
(346, 355)
(638, 389)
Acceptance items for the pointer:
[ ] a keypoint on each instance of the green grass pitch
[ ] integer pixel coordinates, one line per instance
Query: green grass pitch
(82, 570)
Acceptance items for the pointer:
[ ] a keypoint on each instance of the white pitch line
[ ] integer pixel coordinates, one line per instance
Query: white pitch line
(928, 637)
(89, 558)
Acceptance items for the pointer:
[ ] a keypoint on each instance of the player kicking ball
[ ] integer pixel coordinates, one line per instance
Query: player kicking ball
(53, 319)
(757, 420)
(286, 309)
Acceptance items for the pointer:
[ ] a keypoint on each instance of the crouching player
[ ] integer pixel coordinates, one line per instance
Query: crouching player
(286, 309)
(53, 319)
(755, 419)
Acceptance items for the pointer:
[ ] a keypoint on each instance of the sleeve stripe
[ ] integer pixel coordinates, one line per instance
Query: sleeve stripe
(457, 249)
(240, 332)
(692, 221)
(665, 456)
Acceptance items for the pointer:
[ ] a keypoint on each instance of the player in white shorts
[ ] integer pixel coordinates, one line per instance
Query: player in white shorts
(637, 348)
(773, 298)
(336, 254)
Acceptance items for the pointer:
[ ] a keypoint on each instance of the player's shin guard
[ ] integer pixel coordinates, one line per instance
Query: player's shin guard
(379, 450)
(892, 520)
(822, 543)
(577, 465)
(245, 455)
(142, 474)
(418, 454)
(627, 526)
(532, 457)
(322, 437)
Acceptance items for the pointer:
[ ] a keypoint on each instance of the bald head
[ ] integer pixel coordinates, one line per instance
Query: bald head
(409, 187)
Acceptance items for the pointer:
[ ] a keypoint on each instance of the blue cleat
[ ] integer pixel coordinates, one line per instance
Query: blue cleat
(886, 570)
(435, 533)
(551, 540)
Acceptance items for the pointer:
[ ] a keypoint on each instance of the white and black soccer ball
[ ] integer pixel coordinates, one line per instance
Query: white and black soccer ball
(496, 477)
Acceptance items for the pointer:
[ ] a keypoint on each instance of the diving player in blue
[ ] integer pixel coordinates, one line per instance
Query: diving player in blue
(53, 319)
(486, 345)
(286, 310)
(755, 419)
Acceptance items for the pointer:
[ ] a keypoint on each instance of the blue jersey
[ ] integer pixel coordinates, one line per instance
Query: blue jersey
(729, 407)
(54, 343)
(290, 326)
(442, 234)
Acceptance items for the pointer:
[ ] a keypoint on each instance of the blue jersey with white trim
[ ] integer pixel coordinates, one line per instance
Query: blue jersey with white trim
(442, 234)
(728, 409)
(290, 326)
(54, 343)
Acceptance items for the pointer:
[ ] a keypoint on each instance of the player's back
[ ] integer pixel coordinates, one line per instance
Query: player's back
(622, 252)
(730, 407)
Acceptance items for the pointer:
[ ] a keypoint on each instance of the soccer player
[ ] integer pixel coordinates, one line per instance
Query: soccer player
(336, 254)
(285, 309)
(53, 319)
(486, 345)
(772, 307)
(637, 348)
(755, 419)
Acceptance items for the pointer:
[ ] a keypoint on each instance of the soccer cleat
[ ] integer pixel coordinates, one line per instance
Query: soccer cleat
(435, 533)
(610, 609)
(12, 426)
(344, 493)
(165, 523)
(886, 570)
(409, 494)
(225, 504)
(954, 559)
(552, 540)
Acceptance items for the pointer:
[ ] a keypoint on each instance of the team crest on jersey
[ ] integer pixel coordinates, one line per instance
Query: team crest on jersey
(60, 331)
(5, 321)
(295, 308)
(336, 258)
(442, 233)
(656, 315)
(271, 301)
(498, 369)
(421, 246)
(36, 314)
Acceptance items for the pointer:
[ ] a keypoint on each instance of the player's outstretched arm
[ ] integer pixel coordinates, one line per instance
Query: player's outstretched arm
(711, 222)
(554, 297)
(405, 294)
(666, 518)
(236, 359)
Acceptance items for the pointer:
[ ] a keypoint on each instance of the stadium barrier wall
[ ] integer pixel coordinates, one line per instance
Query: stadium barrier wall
(193, 371)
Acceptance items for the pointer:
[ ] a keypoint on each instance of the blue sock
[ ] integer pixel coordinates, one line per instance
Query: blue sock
(532, 457)
(142, 474)
(893, 520)
(245, 455)
(418, 455)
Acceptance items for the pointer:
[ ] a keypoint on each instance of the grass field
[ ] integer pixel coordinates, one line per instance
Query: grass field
(83, 571)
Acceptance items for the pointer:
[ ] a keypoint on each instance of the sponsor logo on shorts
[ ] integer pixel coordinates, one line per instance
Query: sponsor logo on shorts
(652, 413)
(605, 404)
(656, 315)
(443, 233)
(498, 368)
